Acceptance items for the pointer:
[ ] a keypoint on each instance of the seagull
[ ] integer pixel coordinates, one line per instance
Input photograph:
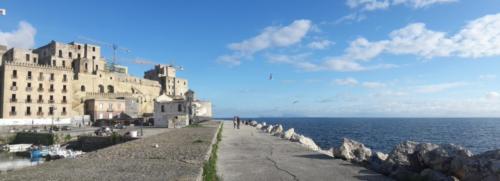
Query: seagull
(271, 76)
(295, 102)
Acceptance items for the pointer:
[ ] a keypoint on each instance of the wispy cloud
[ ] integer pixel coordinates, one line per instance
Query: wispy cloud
(435, 88)
(270, 37)
(347, 81)
(23, 37)
(371, 5)
(353, 82)
(487, 77)
(320, 44)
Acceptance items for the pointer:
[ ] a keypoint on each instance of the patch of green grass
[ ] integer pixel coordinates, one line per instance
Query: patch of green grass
(209, 168)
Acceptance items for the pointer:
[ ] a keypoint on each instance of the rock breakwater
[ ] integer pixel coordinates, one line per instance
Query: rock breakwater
(408, 160)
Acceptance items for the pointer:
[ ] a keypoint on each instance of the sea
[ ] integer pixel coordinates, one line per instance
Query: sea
(382, 134)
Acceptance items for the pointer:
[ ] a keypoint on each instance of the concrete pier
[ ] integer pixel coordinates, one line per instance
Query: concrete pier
(250, 154)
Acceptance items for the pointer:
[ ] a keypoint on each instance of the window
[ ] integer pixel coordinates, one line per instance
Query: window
(162, 108)
(34, 59)
(13, 110)
(28, 110)
(101, 116)
(96, 67)
(63, 111)
(64, 63)
(13, 98)
(70, 55)
(52, 76)
(40, 97)
(40, 86)
(60, 53)
(64, 99)
(86, 66)
(51, 89)
(93, 57)
(51, 99)
(39, 110)
(27, 57)
(101, 89)
(54, 63)
(51, 110)
(29, 75)
(65, 78)
(82, 88)
(14, 74)
(79, 55)
(100, 106)
(28, 98)
(14, 84)
(179, 108)
(40, 76)
(64, 88)
(93, 49)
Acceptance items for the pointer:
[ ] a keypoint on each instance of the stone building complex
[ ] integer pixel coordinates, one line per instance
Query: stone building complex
(58, 79)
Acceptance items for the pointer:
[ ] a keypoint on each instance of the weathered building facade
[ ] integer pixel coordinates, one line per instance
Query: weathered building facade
(57, 79)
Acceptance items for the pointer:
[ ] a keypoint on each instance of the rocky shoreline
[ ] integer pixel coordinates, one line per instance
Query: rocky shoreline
(408, 160)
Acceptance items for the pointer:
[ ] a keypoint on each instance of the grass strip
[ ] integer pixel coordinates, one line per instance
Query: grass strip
(209, 167)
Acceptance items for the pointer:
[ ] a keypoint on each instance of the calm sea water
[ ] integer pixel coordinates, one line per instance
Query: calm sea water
(382, 134)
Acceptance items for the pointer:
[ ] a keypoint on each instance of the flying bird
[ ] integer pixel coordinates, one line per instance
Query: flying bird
(295, 102)
(271, 76)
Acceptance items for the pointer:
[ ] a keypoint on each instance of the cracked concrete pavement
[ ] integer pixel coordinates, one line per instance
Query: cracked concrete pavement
(249, 154)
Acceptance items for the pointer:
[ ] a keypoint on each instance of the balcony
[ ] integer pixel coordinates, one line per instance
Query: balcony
(109, 110)
(13, 88)
(29, 78)
(13, 100)
(52, 79)
(39, 113)
(39, 101)
(52, 90)
(29, 89)
(41, 78)
(65, 79)
(14, 76)
(40, 89)
(64, 113)
(12, 113)
(65, 90)
(28, 114)
(29, 100)
(64, 101)
(51, 101)
(51, 113)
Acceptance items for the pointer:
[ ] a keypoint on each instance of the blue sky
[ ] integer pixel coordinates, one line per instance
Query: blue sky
(328, 58)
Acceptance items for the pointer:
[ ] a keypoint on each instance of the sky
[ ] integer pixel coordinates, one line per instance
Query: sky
(328, 58)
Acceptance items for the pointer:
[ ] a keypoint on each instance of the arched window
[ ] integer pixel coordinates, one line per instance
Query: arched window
(82, 88)
(111, 89)
(101, 89)
(179, 108)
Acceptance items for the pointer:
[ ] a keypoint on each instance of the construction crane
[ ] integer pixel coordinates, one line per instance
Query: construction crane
(113, 46)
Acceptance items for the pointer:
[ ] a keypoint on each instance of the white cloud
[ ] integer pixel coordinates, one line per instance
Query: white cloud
(23, 37)
(488, 77)
(371, 5)
(347, 81)
(492, 95)
(421, 3)
(351, 17)
(270, 37)
(479, 38)
(435, 88)
(320, 44)
(299, 61)
(373, 85)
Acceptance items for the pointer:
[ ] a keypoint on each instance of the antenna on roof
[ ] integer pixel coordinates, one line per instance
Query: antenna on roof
(113, 46)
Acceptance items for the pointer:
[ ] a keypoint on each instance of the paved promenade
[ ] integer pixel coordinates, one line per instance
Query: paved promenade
(249, 154)
(180, 156)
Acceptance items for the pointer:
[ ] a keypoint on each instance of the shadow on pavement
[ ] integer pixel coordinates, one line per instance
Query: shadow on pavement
(316, 156)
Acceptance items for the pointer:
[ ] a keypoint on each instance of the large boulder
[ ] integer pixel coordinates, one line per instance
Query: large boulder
(295, 137)
(400, 158)
(269, 128)
(485, 166)
(376, 160)
(288, 134)
(264, 124)
(441, 157)
(353, 151)
(253, 123)
(308, 143)
(258, 126)
(277, 130)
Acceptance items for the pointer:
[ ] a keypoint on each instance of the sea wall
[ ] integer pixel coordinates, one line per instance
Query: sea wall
(408, 160)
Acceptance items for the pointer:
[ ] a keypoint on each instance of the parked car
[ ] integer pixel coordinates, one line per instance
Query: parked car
(66, 128)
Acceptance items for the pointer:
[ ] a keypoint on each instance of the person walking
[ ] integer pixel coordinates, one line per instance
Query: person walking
(234, 122)
(238, 121)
